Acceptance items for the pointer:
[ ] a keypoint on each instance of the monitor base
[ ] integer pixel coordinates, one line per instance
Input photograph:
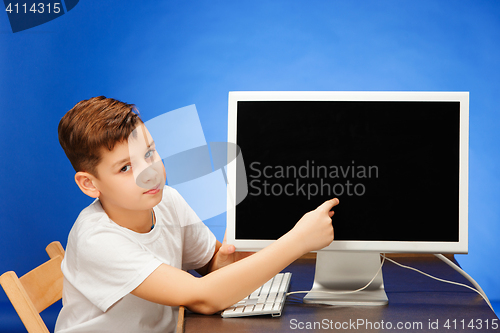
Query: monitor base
(340, 272)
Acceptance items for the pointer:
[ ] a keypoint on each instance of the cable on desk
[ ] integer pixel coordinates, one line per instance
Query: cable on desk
(464, 274)
(342, 292)
(483, 295)
(440, 256)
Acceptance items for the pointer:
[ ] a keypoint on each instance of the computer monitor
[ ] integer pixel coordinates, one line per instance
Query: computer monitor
(398, 162)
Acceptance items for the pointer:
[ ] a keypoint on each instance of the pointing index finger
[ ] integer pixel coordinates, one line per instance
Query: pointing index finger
(329, 204)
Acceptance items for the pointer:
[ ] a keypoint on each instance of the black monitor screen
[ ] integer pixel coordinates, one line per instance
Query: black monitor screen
(393, 165)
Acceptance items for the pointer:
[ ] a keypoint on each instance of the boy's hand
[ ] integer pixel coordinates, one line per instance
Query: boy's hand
(227, 255)
(314, 230)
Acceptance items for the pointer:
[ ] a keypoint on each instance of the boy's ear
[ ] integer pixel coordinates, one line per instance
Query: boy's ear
(84, 182)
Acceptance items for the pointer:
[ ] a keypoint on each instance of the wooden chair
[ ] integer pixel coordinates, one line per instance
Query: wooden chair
(180, 320)
(36, 290)
(40, 288)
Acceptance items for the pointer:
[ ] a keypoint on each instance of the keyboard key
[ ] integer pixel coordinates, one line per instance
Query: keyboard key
(268, 299)
(238, 309)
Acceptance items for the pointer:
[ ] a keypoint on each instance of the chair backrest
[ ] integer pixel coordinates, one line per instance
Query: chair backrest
(36, 290)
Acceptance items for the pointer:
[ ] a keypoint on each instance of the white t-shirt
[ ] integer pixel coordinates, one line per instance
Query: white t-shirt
(104, 262)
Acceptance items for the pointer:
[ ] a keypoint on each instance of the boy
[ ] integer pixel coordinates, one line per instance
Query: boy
(125, 261)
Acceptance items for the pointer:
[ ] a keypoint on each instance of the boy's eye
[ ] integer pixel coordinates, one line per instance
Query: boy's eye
(125, 168)
(149, 154)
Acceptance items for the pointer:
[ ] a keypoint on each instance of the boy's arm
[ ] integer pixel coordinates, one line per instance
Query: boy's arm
(224, 287)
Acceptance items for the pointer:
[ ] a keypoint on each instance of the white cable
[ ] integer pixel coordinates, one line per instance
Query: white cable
(464, 274)
(442, 280)
(440, 256)
(341, 292)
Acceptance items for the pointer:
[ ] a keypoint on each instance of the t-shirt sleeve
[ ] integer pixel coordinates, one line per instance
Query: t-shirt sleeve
(198, 240)
(107, 265)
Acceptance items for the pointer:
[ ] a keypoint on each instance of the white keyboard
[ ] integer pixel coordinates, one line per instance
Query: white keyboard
(268, 299)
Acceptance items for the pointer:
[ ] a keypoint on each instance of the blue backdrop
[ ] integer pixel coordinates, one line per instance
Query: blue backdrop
(162, 55)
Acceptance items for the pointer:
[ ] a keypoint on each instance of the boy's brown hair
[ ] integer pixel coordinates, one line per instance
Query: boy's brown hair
(93, 124)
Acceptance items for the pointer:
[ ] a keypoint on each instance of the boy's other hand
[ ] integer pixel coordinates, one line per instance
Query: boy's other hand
(227, 254)
(314, 230)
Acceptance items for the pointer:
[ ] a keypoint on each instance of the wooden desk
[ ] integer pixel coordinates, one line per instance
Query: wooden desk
(415, 301)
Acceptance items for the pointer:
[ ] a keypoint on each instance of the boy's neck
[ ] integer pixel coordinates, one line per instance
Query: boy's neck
(139, 221)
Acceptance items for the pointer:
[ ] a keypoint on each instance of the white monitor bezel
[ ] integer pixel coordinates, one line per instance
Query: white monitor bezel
(380, 246)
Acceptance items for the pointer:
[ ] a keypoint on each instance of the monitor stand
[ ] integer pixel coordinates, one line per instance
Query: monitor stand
(341, 271)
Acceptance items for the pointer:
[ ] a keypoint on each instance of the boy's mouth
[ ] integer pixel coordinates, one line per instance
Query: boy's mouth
(154, 190)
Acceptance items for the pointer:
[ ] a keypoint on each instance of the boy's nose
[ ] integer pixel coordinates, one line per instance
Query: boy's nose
(150, 176)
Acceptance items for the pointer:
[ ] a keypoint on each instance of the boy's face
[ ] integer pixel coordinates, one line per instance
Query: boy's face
(132, 175)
